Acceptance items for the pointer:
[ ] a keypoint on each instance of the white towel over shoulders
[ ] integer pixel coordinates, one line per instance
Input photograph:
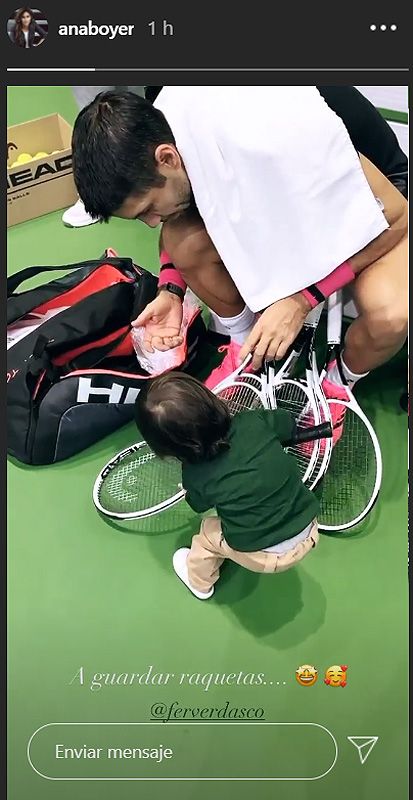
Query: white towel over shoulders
(276, 180)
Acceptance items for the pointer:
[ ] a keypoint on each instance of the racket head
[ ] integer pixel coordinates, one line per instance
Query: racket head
(319, 409)
(326, 446)
(352, 482)
(136, 484)
(253, 379)
(295, 397)
(234, 375)
(240, 395)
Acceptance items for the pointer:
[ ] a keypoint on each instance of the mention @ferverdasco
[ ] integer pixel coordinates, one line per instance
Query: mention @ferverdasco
(163, 712)
(90, 29)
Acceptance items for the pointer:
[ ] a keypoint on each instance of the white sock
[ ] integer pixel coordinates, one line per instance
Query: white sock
(216, 325)
(333, 374)
(237, 327)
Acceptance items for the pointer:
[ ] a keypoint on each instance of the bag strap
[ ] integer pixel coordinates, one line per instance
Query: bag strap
(14, 281)
(53, 339)
(144, 292)
(41, 361)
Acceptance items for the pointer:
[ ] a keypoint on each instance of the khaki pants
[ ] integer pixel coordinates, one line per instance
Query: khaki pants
(209, 550)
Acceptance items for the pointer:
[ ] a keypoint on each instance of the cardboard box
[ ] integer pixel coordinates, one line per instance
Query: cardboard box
(43, 184)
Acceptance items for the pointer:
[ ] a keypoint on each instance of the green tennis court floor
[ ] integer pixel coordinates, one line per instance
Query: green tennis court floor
(87, 594)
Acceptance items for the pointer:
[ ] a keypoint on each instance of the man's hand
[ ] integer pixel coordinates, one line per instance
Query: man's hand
(276, 329)
(162, 321)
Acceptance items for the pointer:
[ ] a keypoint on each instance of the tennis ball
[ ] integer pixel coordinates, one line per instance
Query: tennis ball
(41, 154)
(55, 151)
(23, 158)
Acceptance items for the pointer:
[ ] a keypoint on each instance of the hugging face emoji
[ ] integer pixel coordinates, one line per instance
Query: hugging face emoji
(306, 675)
(336, 676)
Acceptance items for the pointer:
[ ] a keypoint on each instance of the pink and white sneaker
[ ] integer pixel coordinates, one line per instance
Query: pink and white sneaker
(227, 366)
(333, 391)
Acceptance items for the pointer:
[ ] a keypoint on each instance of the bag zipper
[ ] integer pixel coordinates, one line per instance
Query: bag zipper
(94, 371)
(33, 417)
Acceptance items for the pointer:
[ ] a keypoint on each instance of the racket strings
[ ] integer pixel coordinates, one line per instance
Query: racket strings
(131, 489)
(350, 481)
(325, 446)
(129, 486)
(142, 483)
(252, 379)
(241, 397)
(302, 456)
(293, 397)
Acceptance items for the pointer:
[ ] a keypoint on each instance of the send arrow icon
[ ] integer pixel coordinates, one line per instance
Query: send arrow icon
(364, 745)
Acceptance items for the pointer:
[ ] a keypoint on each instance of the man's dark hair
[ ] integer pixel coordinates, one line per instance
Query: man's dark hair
(114, 141)
(178, 416)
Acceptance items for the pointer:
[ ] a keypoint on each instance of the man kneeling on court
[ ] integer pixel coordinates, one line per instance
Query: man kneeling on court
(265, 214)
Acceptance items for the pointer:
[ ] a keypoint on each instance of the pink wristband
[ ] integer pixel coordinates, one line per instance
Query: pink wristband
(169, 273)
(165, 258)
(340, 277)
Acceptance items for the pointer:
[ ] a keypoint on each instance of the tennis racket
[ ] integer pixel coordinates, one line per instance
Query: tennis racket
(302, 398)
(263, 381)
(242, 391)
(325, 447)
(352, 482)
(136, 483)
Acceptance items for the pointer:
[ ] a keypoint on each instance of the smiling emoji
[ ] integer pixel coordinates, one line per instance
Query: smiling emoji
(336, 676)
(306, 675)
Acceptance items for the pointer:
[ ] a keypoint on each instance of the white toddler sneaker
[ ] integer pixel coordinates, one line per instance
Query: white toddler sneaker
(181, 569)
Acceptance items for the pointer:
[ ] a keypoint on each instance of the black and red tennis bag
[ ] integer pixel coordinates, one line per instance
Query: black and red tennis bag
(72, 372)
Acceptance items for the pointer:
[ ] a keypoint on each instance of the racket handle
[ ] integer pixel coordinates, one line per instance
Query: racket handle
(323, 431)
(334, 318)
(297, 344)
(313, 317)
(311, 321)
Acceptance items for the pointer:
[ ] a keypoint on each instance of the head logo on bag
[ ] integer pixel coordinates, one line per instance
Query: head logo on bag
(88, 392)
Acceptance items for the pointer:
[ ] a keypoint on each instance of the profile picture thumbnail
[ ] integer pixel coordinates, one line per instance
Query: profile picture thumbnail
(27, 27)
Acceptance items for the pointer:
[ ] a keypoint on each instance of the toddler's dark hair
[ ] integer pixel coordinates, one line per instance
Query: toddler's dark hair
(178, 416)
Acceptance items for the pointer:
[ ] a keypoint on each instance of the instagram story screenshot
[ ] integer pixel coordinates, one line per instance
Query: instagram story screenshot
(207, 401)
